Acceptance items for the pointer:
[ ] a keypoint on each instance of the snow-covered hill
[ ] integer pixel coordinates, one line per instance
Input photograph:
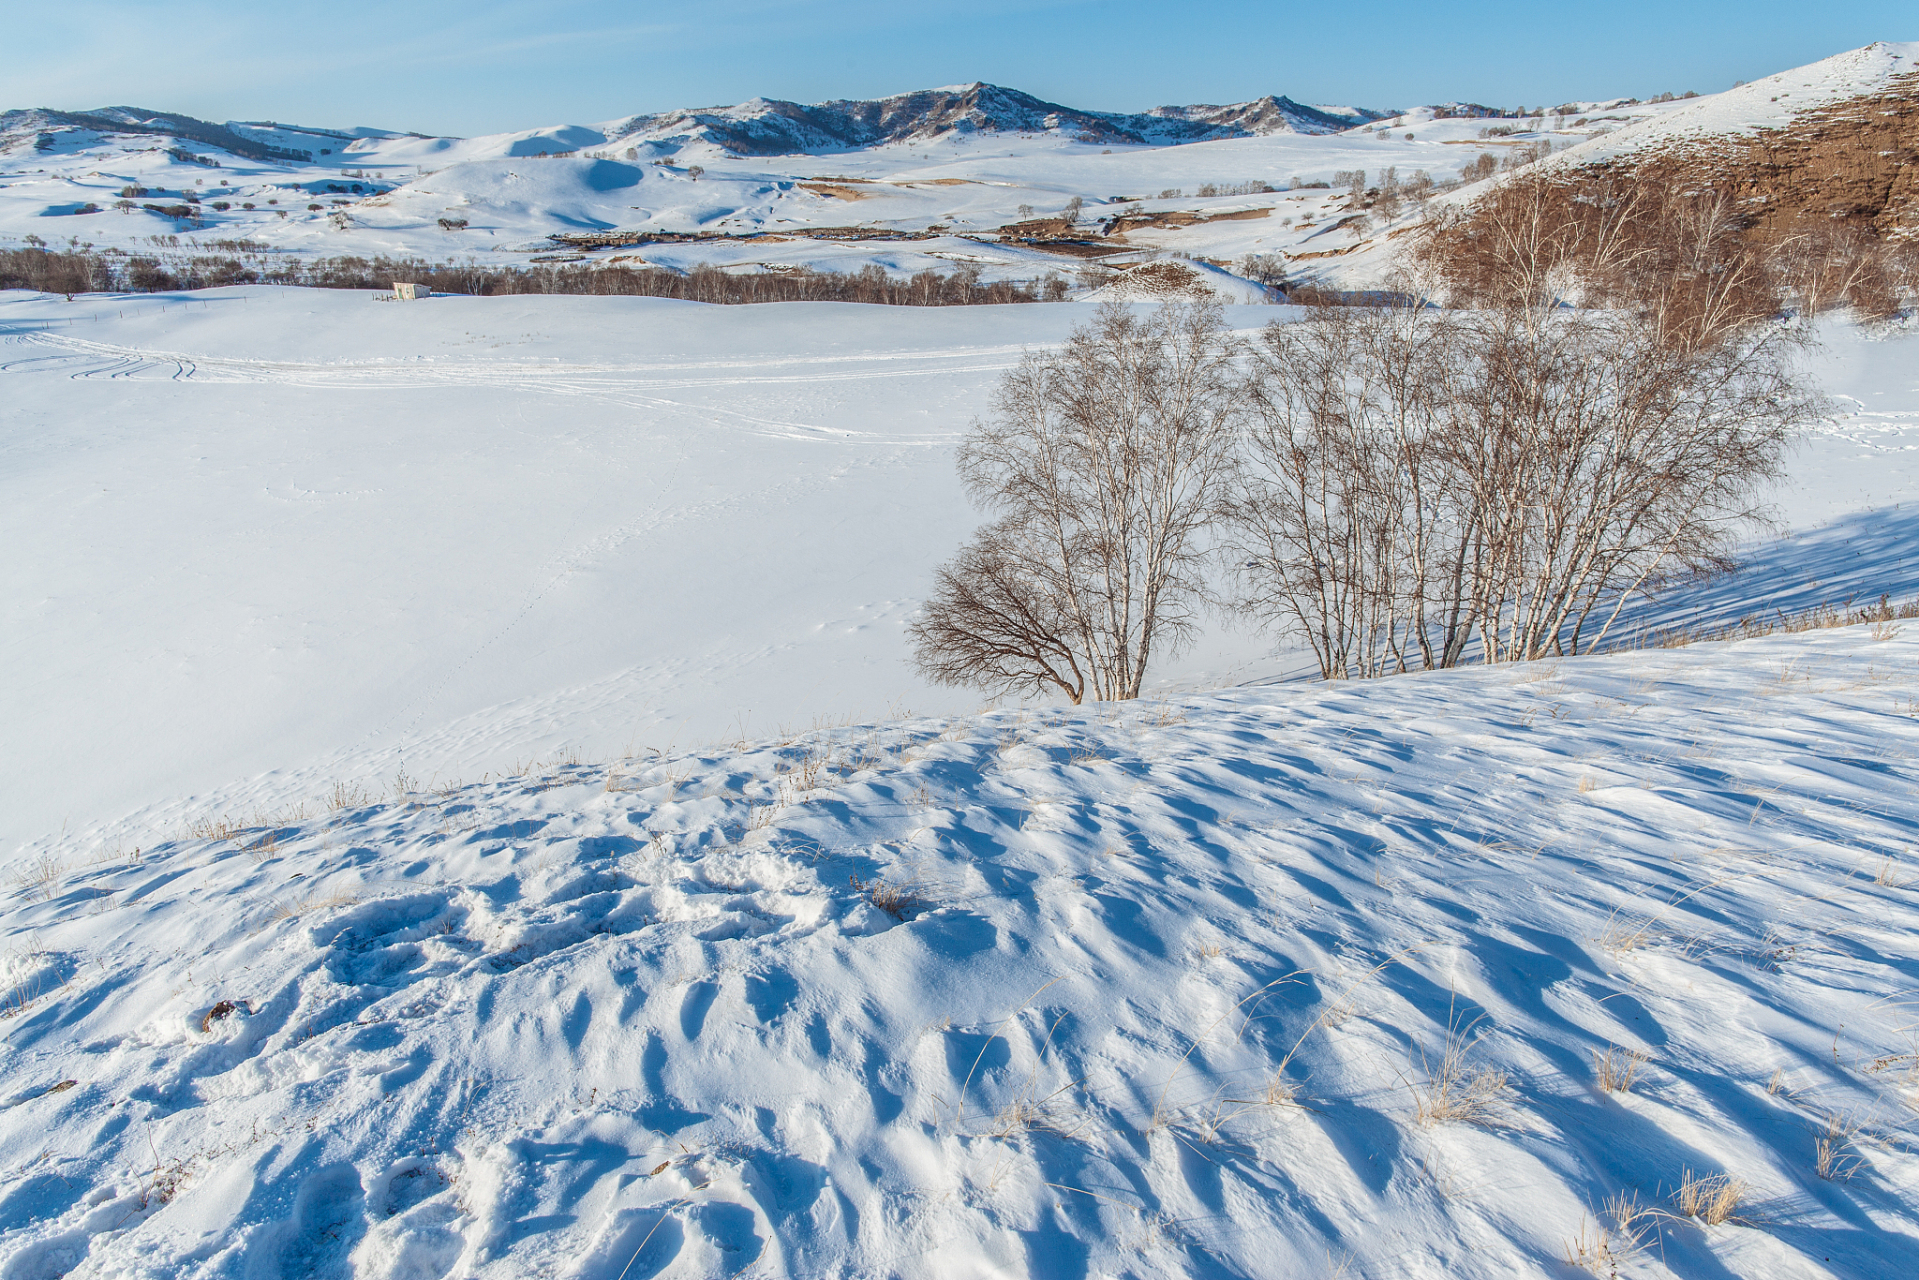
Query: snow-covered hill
(1776, 102)
(771, 127)
(770, 185)
(1464, 975)
(941, 179)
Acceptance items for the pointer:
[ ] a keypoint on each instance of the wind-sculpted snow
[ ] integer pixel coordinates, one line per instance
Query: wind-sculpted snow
(1163, 989)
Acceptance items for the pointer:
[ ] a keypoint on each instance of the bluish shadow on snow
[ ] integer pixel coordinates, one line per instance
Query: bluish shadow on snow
(1856, 558)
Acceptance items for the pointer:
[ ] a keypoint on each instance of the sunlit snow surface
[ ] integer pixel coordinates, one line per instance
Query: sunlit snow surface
(260, 540)
(631, 1017)
(634, 1019)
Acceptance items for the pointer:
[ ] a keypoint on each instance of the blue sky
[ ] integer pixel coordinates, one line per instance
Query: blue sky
(478, 66)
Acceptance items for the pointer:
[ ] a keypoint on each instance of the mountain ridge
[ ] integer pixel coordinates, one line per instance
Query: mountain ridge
(769, 126)
(772, 126)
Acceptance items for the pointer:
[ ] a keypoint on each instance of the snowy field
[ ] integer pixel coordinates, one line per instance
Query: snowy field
(1290, 982)
(458, 757)
(266, 540)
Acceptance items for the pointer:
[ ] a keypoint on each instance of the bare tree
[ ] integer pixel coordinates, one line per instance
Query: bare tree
(1337, 518)
(1103, 463)
(1421, 486)
(1541, 237)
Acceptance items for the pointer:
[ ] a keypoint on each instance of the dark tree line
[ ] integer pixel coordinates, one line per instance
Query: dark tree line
(51, 271)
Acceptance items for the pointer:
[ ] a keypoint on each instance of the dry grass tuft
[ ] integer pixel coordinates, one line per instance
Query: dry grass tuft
(31, 985)
(1603, 1247)
(1615, 1069)
(1027, 1114)
(901, 901)
(221, 828)
(1167, 714)
(348, 795)
(1833, 1156)
(40, 878)
(1619, 937)
(1454, 1091)
(1713, 1200)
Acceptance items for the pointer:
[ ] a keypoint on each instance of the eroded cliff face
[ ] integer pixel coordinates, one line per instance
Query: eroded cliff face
(1853, 162)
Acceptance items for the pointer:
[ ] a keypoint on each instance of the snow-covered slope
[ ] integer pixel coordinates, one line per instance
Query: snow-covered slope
(1307, 981)
(1776, 102)
(266, 538)
(767, 126)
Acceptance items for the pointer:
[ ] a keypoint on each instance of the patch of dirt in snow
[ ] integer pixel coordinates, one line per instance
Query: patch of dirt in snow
(1273, 982)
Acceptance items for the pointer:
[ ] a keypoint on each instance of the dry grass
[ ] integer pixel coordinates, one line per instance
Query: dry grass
(1618, 937)
(1162, 1115)
(1454, 1091)
(901, 901)
(1713, 1200)
(221, 828)
(1833, 1155)
(40, 878)
(32, 984)
(1819, 617)
(1615, 1069)
(1029, 1110)
(1604, 1246)
(348, 795)
(319, 902)
(1048, 1114)
(1166, 714)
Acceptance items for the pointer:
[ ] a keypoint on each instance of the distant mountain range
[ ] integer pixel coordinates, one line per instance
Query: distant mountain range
(766, 126)
(44, 122)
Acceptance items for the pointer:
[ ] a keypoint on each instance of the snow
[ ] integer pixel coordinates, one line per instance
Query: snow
(514, 190)
(1170, 985)
(932, 170)
(1770, 103)
(267, 538)
(459, 755)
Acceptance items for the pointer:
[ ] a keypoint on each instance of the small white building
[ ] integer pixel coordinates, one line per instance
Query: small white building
(408, 292)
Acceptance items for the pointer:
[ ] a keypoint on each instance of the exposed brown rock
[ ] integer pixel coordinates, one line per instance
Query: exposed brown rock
(1855, 161)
